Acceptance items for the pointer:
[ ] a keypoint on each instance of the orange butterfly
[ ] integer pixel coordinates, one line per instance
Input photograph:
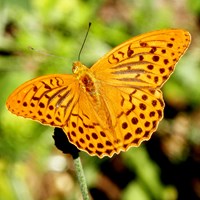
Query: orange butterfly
(115, 104)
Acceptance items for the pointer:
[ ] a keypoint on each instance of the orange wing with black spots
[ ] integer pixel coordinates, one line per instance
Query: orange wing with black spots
(131, 118)
(147, 60)
(115, 104)
(47, 99)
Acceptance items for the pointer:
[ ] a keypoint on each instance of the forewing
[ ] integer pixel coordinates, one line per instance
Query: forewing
(47, 99)
(143, 61)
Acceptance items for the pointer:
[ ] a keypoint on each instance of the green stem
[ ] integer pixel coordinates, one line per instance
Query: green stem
(81, 178)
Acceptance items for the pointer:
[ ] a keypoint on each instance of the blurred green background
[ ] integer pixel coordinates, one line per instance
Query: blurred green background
(31, 168)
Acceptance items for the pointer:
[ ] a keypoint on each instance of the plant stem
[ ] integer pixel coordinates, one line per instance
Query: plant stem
(81, 178)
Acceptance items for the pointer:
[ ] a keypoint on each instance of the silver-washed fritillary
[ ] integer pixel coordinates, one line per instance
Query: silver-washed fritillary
(115, 104)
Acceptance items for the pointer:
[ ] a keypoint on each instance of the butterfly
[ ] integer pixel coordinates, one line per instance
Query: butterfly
(113, 105)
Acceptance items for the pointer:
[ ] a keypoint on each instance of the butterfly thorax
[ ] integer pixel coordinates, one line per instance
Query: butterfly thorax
(91, 87)
(85, 77)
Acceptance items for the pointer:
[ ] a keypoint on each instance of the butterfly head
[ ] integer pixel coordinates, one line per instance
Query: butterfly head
(78, 68)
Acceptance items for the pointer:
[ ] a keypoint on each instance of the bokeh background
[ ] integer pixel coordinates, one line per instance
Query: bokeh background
(167, 167)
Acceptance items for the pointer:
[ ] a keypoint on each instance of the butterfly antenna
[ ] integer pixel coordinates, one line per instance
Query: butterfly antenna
(44, 53)
(79, 55)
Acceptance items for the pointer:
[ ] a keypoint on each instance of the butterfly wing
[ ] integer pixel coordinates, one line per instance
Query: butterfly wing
(118, 124)
(48, 99)
(145, 61)
(129, 79)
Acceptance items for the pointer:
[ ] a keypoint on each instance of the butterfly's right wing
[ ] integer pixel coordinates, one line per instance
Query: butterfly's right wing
(48, 99)
(144, 61)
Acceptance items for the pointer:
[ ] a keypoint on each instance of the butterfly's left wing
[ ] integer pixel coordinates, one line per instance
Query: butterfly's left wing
(145, 61)
(48, 99)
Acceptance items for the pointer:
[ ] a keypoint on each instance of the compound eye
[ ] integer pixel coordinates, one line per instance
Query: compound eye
(75, 67)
